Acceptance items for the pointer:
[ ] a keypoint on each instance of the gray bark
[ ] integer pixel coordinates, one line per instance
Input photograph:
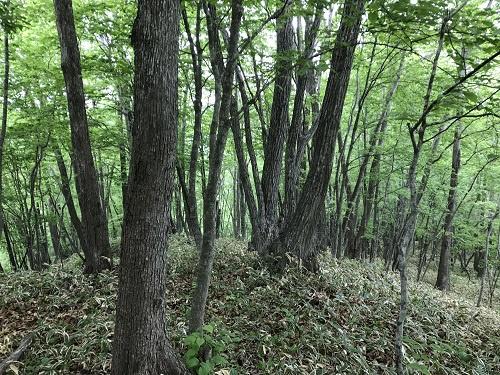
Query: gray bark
(141, 345)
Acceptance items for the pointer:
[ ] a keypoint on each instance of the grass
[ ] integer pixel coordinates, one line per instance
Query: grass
(341, 321)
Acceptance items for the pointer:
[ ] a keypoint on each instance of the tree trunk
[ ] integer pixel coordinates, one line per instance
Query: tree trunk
(94, 225)
(300, 229)
(141, 345)
(218, 135)
(443, 276)
(243, 208)
(278, 126)
(411, 209)
(373, 174)
(196, 60)
(68, 198)
(486, 250)
(55, 238)
(244, 176)
(3, 129)
(292, 153)
(10, 247)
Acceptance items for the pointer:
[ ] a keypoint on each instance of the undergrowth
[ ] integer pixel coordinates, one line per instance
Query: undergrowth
(341, 321)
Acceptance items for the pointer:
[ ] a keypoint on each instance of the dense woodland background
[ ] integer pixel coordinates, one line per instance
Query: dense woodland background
(302, 142)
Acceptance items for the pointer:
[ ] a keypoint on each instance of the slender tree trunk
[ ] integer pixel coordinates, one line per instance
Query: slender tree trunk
(141, 345)
(236, 204)
(3, 130)
(486, 250)
(373, 174)
(244, 175)
(55, 237)
(255, 204)
(10, 248)
(196, 60)
(68, 198)
(496, 273)
(243, 207)
(94, 224)
(443, 276)
(292, 152)
(218, 135)
(417, 138)
(123, 171)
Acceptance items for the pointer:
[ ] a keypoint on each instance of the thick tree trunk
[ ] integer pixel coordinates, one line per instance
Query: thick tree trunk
(94, 224)
(300, 230)
(141, 345)
(278, 126)
(443, 276)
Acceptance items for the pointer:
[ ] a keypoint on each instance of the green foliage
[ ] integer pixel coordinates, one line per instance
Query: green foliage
(11, 16)
(210, 343)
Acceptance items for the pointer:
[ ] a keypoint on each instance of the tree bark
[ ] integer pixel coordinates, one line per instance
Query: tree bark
(141, 345)
(68, 198)
(3, 130)
(196, 60)
(411, 209)
(10, 248)
(300, 230)
(443, 276)
(292, 153)
(278, 126)
(486, 250)
(94, 224)
(218, 135)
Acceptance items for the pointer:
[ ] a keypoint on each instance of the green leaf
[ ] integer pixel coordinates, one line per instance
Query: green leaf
(218, 360)
(191, 353)
(205, 369)
(192, 362)
(200, 341)
(208, 328)
(471, 96)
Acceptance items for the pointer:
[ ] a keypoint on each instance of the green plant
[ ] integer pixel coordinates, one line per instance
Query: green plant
(206, 348)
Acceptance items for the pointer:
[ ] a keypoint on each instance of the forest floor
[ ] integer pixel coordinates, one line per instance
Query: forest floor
(341, 321)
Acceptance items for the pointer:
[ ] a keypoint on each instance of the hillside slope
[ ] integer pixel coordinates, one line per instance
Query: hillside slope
(338, 322)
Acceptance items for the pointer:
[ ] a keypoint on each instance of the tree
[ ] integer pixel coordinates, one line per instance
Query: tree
(300, 229)
(10, 21)
(94, 221)
(278, 126)
(443, 276)
(141, 344)
(219, 128)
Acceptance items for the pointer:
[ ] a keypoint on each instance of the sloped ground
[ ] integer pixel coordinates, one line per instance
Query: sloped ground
(338, 322)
